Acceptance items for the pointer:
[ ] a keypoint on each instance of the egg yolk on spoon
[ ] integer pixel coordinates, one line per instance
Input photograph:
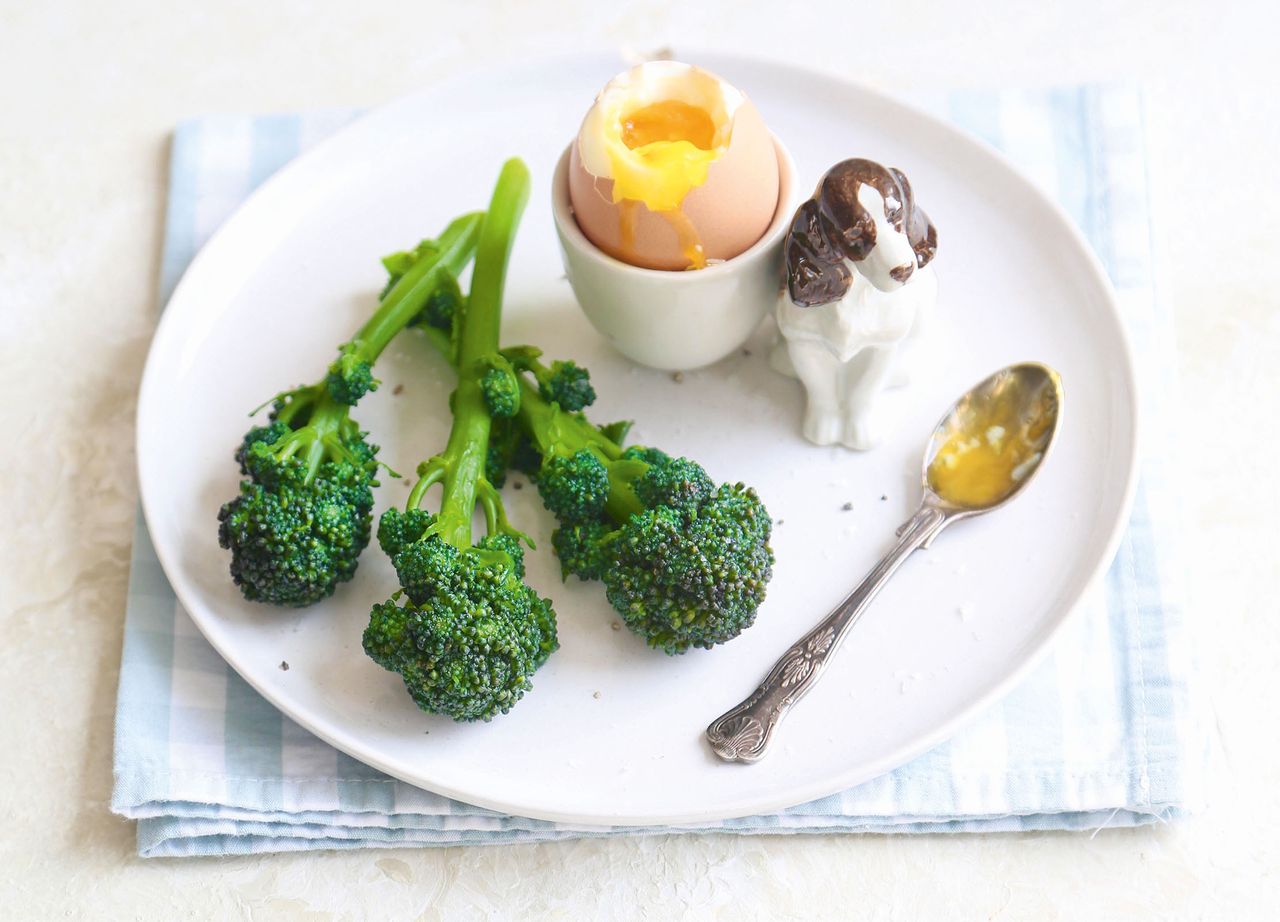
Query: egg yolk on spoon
(979, 471)
(996, 445)
(667, 147)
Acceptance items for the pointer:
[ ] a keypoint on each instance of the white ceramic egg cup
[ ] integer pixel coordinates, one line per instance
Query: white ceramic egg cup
(675, 321)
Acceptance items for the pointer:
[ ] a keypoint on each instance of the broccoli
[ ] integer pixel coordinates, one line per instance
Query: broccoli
(303, 513)
(564, 383)
(684, 562)
(464, 631)
(438, 311)
(421, 289)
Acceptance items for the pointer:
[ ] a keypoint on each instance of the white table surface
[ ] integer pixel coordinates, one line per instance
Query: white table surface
(88, 94)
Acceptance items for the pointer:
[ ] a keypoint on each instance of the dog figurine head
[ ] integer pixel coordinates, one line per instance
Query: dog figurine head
(863, 217)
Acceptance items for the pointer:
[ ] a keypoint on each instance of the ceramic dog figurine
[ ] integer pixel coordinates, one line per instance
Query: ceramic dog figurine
(858, 298)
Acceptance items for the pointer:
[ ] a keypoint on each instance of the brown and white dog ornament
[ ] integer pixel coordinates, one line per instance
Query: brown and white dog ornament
(858, 300)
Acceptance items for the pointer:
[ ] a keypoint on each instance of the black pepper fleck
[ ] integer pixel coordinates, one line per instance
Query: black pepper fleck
(847, 507)
(284, 667)
(883, 497)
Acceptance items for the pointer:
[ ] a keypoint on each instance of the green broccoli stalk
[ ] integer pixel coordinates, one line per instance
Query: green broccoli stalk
(564, 383)
(304, 511)
(684, 562)
(464, 631)
(422, 289)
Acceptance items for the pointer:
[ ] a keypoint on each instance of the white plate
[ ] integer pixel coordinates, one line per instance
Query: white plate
(612, 732)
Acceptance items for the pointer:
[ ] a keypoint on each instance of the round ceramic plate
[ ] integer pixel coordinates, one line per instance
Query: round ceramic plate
(612, 731)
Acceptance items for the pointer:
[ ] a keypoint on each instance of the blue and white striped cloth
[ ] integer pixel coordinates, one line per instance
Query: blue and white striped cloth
(1105, 732)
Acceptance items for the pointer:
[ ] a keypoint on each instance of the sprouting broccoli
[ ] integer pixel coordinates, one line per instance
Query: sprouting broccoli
(564, 383)
(684, 562)
(303, 513)
(422, 289)
(464, 631)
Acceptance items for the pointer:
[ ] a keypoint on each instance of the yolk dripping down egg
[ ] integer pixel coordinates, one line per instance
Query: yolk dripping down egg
(673, 168)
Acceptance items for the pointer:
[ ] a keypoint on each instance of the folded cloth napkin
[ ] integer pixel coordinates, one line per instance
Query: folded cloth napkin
(1106, 731)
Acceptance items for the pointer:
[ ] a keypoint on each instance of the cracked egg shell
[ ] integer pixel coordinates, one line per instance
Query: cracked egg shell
(673, 168)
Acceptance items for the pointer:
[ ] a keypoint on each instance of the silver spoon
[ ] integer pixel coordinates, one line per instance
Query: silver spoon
(982, 454)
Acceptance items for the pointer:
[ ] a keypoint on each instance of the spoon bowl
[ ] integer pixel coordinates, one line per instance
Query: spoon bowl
(993, 440)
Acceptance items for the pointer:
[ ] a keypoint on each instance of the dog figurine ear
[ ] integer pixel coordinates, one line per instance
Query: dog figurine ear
(816, 273)
(846, 224)
(915, 223)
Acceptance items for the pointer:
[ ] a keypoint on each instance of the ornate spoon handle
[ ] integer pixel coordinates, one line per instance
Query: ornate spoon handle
(743, 733)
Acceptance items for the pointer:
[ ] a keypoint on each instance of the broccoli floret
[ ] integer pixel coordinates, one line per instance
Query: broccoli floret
(568, 385)
(397, 530)
(498, 457)
(464, 632)
(684, 562)
(441, 307)
(500, 388)
(509, 449)
(676, 482)
(582, 548)
(350, 376)
(468, 651)
(692, 575)
(575, 488)
(304, 511)
(563, 383)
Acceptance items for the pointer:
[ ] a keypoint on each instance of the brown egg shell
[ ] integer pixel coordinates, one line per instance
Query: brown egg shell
(730, 211)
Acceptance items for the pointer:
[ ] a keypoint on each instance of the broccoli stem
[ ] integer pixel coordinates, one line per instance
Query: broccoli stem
(556, 433)
(480, 325)
(325, 421)
(526, 359)
(405, 299)
(317, 420)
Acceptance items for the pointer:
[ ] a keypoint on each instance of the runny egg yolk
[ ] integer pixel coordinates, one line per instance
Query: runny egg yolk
(980, 470)
(667, 148)
(669, 120)
(994, 447)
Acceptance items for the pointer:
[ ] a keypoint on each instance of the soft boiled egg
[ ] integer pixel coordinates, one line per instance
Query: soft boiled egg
(673, 168)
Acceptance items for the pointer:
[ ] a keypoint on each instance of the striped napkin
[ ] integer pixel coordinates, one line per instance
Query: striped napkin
(1105, 732)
